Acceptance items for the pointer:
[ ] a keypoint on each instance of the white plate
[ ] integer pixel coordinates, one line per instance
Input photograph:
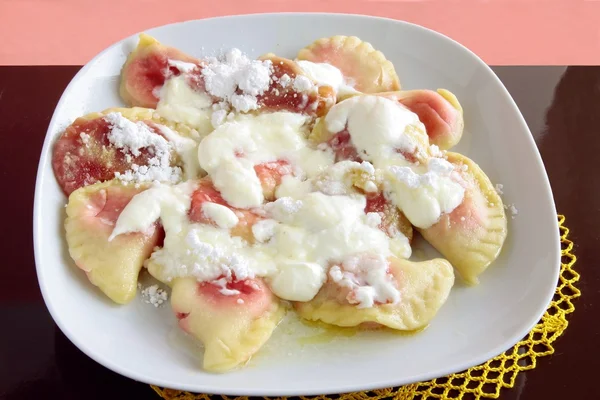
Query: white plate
(475, 324)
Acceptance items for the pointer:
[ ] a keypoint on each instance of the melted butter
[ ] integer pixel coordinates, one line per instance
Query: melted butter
(328, 333)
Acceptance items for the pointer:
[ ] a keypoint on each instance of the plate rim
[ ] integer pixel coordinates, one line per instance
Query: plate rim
(371, 384)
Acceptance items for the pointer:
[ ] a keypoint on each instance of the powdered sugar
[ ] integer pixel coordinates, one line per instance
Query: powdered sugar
(440, 166)
(224, 77)
(302, 84)
(243, 102)
(221, 113)
(154, 171)
(207, 254)
(85, 138)
(186, 148)
(407, 176)
(225, 261)
(222, 285)
(131, 137)
(153, 295)
(512, 209)
(182, 66)
(436, 169)
(509, 207)
(368, 279)
(285, 80)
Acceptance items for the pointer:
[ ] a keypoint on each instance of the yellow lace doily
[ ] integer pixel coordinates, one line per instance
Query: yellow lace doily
(482, 381)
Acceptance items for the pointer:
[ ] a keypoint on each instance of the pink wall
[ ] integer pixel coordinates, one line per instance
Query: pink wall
(500, 31)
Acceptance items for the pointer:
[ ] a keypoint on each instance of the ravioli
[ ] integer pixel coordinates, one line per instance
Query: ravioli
(343, 148)
(83, 154)
(365, 67)
(232, 327)
(291, 91)
(439, 111)
(111, 265)
(423, 286)
(146, 70)
(472, 235)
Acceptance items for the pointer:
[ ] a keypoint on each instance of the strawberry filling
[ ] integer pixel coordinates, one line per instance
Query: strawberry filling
(206, 192)
(251, 295)
(108, 208)
(434, 112)
(343, 148)
(148, 72)
(283, 97)
(270, 176)
(392, 221)
(99, 214)
(377, 203)
(184, 322)
(252, 292)
(468, 215)
(83, 155)
(349, 66)
(106, 205)
(410, 157)
(438, 115)
(181, 315)
(435, 125)
(252, 298)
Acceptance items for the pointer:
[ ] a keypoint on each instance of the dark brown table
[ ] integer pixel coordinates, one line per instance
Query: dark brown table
(561, 106)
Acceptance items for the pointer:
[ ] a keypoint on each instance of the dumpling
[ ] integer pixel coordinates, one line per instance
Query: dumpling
(113, 266)
(366, 69)
(472, 235)
(423, 288)
(147, 69)
(291, 90)
(440, 112)
(341, 142)
(84, 155)
(233, 322)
